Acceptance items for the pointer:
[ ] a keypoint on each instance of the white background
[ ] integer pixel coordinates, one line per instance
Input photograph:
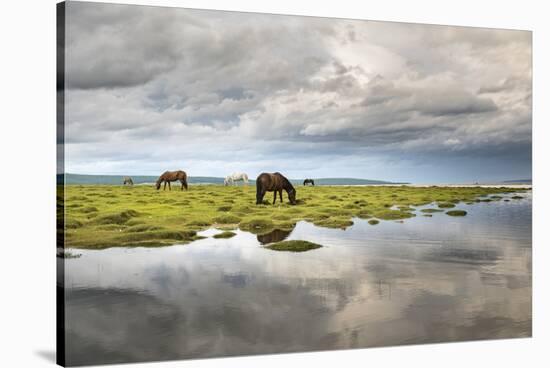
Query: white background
(27, 185)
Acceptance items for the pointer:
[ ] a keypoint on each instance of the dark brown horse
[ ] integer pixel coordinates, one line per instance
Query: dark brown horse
(309, 181)
(169, 176)
(274, 183)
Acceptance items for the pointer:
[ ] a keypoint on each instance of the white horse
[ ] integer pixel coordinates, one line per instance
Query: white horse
(231, 179)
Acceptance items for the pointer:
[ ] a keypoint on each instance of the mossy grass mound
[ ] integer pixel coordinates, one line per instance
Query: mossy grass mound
(71, 223)
(446, 205)
(116, 218)
(392, 214)
(430, 210)
(456, 213)
(89, 209)
(373, 222)
(143, 228)
(98, 216)
(227, 219)
(256, 224)
(200, 222)
(334, 222)
(225, 235)
(293, 246)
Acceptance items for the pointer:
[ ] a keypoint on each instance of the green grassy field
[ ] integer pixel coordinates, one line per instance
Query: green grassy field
(102, 216)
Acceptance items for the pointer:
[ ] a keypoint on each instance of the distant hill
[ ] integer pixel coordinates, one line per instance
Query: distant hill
(143, 179)
(344, 181)
(519, 181)
(137, 179)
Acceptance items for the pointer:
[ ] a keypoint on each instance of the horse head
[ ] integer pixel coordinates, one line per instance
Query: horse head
(292, 196)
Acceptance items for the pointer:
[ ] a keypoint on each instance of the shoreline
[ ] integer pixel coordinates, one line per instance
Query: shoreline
(496, 185)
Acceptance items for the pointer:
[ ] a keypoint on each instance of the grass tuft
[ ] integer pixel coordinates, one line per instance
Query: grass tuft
(430, 210)
(456, 213)
(225, 235)
(227, 219)
(116, 218)
(256, 224)
(294, 246)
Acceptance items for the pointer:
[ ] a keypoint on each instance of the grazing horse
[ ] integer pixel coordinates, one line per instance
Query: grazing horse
(169, 176)
(309, 181)
(231, 179)
(128, 180)
(275, 182)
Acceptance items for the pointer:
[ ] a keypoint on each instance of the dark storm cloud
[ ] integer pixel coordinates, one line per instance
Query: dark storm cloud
(142, 78)
(435, 101)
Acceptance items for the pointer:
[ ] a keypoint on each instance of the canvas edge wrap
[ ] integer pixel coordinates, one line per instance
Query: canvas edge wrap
(60, 182)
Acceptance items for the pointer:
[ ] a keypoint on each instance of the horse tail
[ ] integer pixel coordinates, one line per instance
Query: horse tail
(184, 179)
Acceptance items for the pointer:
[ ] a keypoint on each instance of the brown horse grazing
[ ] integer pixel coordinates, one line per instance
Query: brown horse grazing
(274, 183)
(169, 176)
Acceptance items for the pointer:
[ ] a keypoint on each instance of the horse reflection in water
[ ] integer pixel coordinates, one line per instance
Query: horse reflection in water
(276, 235)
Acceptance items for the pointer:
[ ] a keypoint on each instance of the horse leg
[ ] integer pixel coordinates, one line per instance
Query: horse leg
(281, 195)
(164, 185)
(274, 196)
(169, 186)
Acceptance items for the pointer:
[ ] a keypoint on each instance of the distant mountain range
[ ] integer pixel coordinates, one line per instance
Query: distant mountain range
(519, 181)
(144, 179)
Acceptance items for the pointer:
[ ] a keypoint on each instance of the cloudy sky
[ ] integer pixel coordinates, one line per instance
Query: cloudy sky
(150, 89)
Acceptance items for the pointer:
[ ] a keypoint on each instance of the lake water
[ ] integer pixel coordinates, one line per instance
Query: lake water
(425, 280)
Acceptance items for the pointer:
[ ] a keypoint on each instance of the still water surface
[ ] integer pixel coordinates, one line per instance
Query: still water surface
(426, 280)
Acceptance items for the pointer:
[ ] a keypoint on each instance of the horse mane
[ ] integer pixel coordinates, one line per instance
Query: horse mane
(286, 183)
